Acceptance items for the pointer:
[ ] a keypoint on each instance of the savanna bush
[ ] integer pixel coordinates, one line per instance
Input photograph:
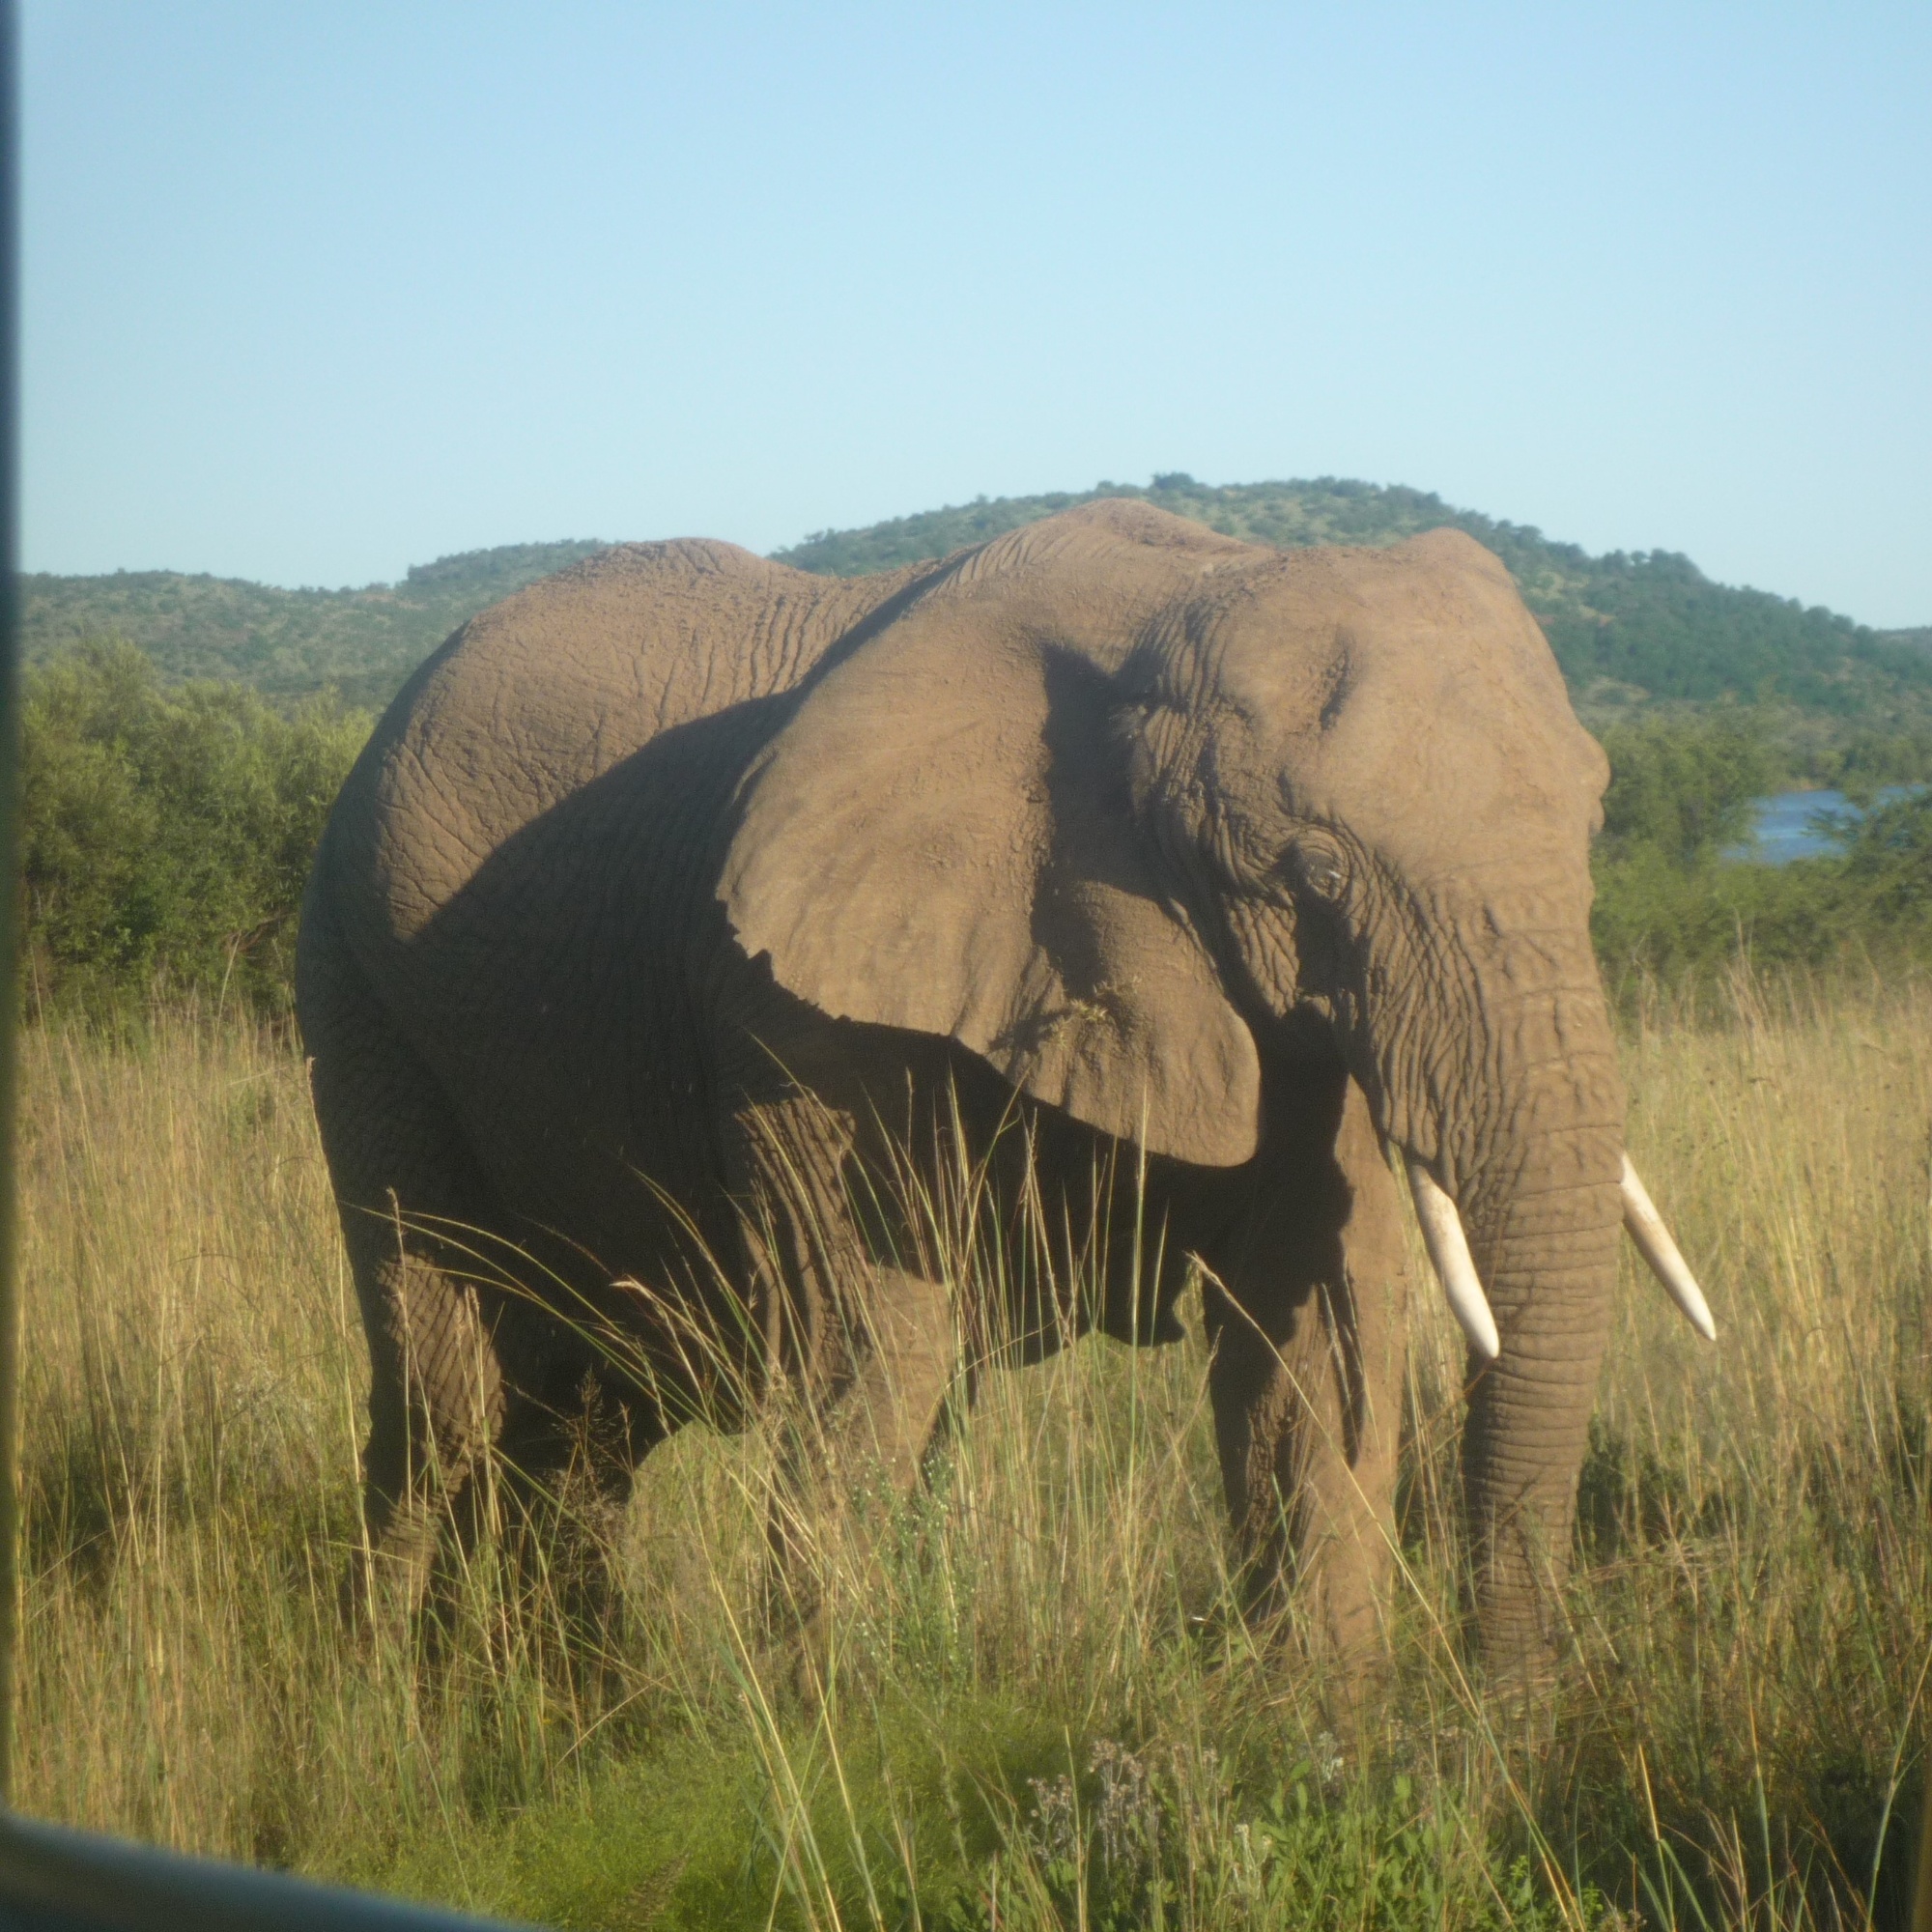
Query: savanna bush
(1671, 906)
(1683, 788)
(166, 831)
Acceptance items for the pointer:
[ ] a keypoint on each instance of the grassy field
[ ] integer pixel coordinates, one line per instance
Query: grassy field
(1042, 1713)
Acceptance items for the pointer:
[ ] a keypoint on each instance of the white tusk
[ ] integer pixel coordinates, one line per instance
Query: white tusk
(1654, 1243)
(1449, 1249)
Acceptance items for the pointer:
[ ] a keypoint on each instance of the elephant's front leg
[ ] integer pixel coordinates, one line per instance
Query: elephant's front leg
(1306, 1375)
(850, 1459)
(864, 1354)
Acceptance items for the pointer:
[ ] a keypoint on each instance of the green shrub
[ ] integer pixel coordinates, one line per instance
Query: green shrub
(1669, 905)
(1683, 788)
(1874, 758)
(166, 831)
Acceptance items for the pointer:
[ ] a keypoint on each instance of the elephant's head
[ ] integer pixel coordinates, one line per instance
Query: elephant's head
(1124, 806)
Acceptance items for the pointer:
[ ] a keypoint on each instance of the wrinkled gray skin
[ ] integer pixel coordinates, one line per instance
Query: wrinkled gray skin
(688, 866)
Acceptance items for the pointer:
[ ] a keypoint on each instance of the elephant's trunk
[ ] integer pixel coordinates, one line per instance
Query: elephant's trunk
(1527, 1118)
(1544, 1237)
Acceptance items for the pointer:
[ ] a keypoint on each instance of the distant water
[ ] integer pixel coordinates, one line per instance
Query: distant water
(1787, 824)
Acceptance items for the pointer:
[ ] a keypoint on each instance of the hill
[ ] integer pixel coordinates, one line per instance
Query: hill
(1630, 629)
(284, 643)
(1633, 631)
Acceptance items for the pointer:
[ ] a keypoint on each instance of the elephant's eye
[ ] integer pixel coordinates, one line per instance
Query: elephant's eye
(1323, 870)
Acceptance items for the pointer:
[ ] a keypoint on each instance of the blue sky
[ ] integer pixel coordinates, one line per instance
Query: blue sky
(315, 292)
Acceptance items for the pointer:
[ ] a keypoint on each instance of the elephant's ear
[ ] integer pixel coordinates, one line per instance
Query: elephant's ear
(941, 838)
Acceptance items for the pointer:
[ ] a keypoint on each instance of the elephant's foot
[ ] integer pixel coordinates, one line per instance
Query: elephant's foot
(1317, 1592)
(815, 1662)
(846, 1474)
(1345, 1663)
(809, 1641)
(1354, 1671)
(506, 1566)
(829, 1584)
(1353, 1687)
(390, 1579)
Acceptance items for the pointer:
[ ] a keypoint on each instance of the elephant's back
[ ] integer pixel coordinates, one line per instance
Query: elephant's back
(535, 698)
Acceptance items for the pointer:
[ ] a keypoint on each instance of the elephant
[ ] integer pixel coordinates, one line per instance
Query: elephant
(679, 897)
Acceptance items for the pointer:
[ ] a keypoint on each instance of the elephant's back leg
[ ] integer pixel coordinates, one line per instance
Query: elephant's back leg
(407, 1192)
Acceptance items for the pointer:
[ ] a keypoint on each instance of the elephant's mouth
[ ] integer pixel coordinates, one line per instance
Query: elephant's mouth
(1448, 1247)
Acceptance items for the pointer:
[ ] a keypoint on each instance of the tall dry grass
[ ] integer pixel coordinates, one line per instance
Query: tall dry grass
(1042, 1710)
